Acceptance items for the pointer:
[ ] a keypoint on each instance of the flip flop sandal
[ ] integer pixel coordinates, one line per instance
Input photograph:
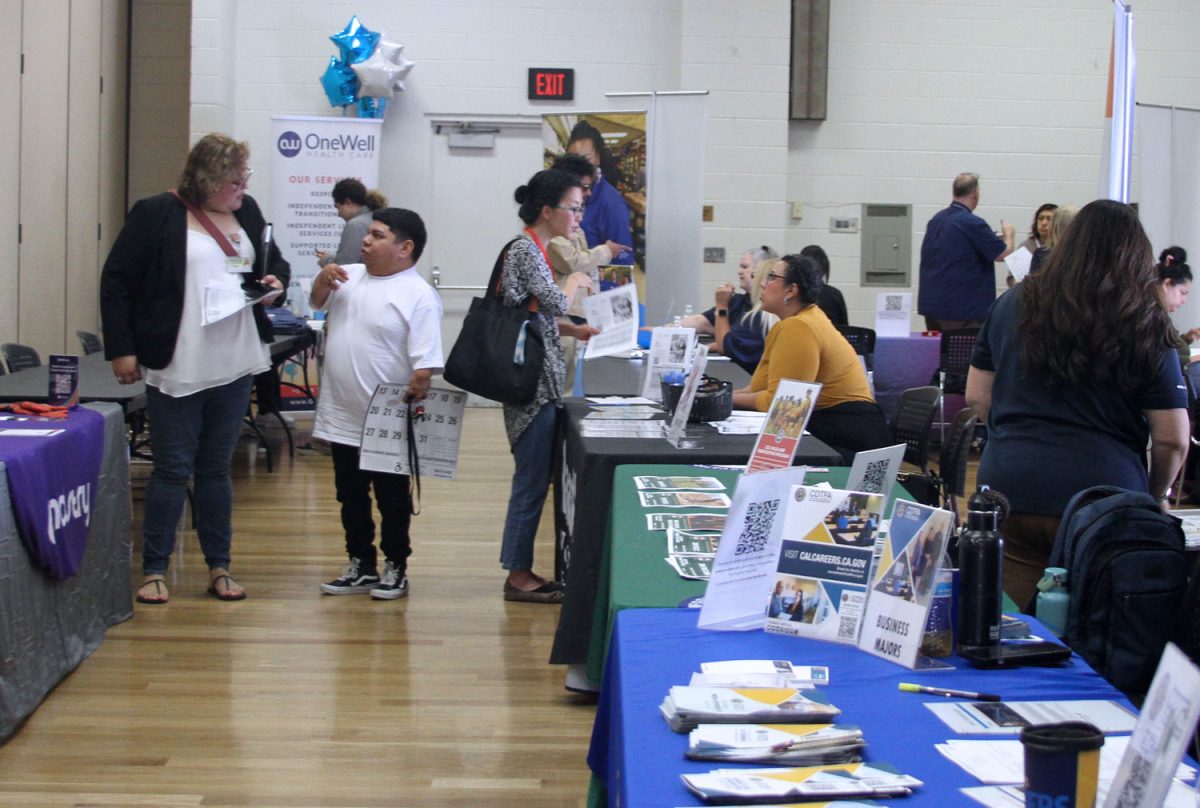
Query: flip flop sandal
(161, 595)
(546, 593)
(225, 594)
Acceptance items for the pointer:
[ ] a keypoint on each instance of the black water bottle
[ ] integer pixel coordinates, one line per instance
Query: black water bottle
(980, 562)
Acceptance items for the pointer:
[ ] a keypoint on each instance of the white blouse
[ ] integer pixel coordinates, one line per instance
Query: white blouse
(211, 355)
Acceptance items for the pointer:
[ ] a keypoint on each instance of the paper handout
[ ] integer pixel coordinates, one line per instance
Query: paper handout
(615, 313)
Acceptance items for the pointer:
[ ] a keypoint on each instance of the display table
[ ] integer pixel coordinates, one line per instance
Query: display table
(582, 494)
(902, 363)
(633, 571)
(617, 376)
(48, 627)
(639, 759)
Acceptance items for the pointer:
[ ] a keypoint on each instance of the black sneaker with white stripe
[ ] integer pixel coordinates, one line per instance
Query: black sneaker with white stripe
(354, 579)
(392, 585)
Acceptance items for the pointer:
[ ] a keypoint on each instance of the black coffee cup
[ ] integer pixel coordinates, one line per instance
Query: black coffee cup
(1062, 763)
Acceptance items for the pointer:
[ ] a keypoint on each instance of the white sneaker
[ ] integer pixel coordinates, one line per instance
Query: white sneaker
(392, 584)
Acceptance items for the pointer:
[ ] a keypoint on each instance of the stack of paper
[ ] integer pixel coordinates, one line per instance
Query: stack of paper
(685, 708)
(690, 553)
(782, 744)
(759, 673)
(751, 786)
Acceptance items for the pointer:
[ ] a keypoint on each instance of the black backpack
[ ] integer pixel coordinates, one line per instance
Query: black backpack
(1127, 578)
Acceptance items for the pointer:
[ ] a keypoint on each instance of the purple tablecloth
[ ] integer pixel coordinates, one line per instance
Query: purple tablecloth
(52, 468)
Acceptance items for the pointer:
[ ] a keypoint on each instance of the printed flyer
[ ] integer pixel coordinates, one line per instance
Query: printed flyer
(902, 584)
(786, 418)
(820, 587)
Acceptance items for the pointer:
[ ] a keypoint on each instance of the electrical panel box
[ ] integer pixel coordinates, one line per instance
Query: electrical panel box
(886, 244)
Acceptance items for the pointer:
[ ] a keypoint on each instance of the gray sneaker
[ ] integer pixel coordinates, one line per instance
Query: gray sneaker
(391, 585)
(354, 579)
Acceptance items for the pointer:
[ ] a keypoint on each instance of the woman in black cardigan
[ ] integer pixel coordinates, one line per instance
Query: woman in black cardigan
(173, 305)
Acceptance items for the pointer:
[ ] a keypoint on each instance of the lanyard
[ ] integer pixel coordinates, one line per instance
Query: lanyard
(539, 244)
(208, 225)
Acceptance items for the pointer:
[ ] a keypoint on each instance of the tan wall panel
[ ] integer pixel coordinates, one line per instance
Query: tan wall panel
(83, 171)
(10, 164)
(43, 184)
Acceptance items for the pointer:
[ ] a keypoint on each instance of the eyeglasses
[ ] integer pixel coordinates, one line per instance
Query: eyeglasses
(771, 276)
(586, 186)
(578, 211)
(244, 181)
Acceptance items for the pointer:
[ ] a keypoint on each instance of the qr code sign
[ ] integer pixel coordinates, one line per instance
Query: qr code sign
(873, 477)
(848, 627)
(757, 527)
(892, 303)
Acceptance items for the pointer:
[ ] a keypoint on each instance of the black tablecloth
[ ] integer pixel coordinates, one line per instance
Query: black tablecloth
(583, 492)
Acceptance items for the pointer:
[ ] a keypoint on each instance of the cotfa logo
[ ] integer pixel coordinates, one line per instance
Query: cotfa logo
(289, 144)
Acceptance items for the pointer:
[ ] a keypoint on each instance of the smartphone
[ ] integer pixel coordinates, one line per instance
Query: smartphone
(1014, 655)
(256, 288)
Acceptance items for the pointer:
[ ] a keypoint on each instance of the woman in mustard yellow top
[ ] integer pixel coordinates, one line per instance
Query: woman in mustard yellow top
(805, 346)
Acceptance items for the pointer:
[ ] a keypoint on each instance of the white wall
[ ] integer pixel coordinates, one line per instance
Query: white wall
(918, 91)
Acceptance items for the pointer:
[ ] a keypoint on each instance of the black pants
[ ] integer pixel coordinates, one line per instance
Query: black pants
(391, 497)
(851, 427)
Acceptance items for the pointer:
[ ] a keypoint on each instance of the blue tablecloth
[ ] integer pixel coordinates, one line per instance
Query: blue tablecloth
(639, 759)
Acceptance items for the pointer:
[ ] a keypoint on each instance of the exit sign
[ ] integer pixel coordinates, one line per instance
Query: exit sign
(551, 83)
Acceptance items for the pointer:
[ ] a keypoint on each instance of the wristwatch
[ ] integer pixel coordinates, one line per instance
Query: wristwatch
(722, 312)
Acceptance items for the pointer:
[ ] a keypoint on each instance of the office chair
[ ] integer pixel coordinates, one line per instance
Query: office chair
(952, 368)
(19, 357)
(89, 342)
(913, 421)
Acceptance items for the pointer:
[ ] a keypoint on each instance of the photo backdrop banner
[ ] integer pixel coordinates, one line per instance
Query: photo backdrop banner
(311, 154)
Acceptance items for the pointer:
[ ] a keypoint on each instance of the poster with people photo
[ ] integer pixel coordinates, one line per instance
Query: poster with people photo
(614, 142)
(787, 416)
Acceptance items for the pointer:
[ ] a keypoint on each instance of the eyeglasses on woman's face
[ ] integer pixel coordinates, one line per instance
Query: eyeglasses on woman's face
(576, 210)
(243, 181)
(773, 276)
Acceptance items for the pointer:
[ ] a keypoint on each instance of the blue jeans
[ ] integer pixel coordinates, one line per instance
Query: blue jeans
(534, 455)
(192, 435)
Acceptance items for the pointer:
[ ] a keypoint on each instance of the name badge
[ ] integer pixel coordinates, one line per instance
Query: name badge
(236, 263)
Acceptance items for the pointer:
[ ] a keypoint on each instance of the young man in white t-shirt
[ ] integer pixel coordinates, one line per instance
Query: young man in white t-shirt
(383, 325)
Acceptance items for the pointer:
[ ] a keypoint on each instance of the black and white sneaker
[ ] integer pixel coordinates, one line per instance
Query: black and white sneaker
(354, 579)
(392, 585)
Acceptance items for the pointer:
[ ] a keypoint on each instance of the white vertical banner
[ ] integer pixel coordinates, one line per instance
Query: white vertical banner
(1169, 187)
(1119, 157)
(311, 155)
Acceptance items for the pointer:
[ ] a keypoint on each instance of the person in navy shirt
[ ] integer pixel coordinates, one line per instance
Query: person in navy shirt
(958, 279)
(606, 217)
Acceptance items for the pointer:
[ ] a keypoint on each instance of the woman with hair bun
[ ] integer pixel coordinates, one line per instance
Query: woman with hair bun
(805, 346)
(551, 206)
(355, 204)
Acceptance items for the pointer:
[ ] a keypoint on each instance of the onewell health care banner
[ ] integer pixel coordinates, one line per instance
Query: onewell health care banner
(311, 154)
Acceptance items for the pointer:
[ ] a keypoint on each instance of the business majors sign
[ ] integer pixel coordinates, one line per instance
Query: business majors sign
(310, 155)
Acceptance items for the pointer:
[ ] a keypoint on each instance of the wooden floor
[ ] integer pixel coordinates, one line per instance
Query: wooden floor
(291, 698)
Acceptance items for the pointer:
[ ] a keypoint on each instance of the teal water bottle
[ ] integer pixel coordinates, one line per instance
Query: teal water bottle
(1053, 600)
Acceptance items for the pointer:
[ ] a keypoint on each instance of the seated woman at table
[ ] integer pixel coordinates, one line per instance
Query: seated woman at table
(741, 336)
(551, 206)
(1175, 282)
(738, 303)
(831, 300)
(806, 347)
(174, 248)
(1075, 374)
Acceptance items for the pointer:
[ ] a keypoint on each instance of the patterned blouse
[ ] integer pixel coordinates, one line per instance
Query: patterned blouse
(526, 272)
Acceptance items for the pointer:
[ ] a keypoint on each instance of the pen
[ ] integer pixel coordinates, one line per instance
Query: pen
(945, 691)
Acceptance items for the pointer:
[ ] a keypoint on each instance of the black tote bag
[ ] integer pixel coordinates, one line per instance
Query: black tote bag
(499, 352)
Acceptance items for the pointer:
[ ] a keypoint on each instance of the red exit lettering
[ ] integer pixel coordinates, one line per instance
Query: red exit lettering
(549, 83)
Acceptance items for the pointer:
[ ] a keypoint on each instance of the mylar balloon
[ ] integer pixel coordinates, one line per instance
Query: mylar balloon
(356, 42)
(340, 83)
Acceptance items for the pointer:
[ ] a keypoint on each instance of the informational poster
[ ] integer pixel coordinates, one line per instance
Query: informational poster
(893, 314)
(903, 582)
(437, 429)
(748, 551)
(311, 155)
(668, 359)
(786, 418)
(615, 313)
(824, 566)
